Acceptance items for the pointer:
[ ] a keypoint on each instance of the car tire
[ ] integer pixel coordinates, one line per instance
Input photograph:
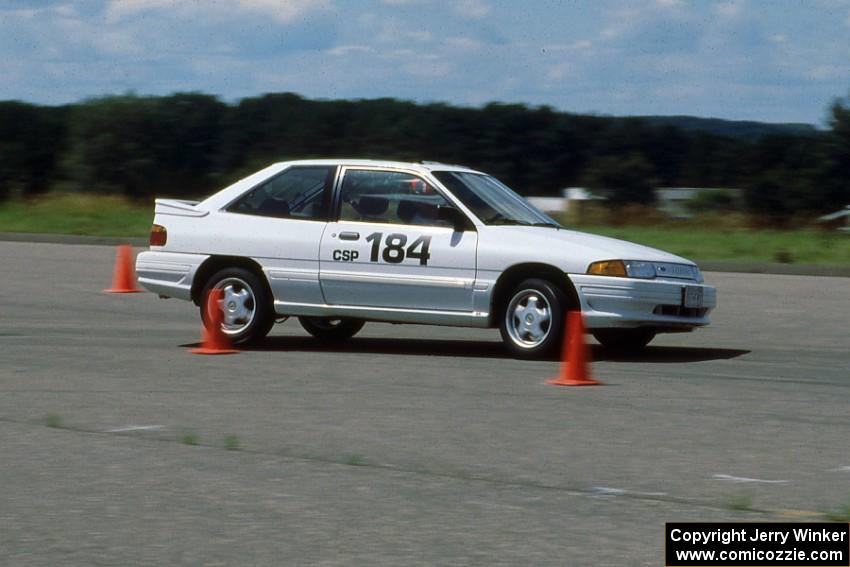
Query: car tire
(247, 308)
(331, 329)
(624, 340)
(533, 321)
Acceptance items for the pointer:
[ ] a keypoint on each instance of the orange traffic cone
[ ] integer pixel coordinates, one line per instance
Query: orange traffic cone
(124, 279)
(575, 368)
(213, 340)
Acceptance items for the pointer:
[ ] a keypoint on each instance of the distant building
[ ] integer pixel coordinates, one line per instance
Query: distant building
(569, 196)
(838, 219)
(674, 200)
(549, 204)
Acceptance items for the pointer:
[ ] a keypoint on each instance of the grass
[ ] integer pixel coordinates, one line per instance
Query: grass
(741, 503)
(54, 421)
(839, 514)
(787, 246)
(231, 443)
(77, 213)
(717, 237)
(355, 460)
(190, 439)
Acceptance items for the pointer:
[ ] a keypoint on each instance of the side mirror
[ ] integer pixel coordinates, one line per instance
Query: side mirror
(454, 217)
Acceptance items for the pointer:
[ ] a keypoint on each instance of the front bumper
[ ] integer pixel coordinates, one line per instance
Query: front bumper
(609, 302)
(169, 274)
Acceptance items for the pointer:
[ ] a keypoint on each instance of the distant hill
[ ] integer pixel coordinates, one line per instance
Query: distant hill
(743, 129)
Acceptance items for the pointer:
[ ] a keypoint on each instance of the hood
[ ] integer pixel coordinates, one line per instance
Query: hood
(617, 249)
(570, 250)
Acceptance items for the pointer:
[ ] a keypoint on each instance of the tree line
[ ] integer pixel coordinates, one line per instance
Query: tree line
(191, 144)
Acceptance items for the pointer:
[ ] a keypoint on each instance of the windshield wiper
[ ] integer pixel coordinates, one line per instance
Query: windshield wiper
(501, 220)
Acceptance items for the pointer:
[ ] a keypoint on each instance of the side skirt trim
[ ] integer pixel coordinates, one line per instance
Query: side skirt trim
(393, 315)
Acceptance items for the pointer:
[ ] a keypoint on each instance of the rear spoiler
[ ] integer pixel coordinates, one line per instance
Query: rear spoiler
(178, 207)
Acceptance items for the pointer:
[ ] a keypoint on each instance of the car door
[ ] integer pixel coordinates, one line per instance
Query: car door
(279, 223)
(388, 249)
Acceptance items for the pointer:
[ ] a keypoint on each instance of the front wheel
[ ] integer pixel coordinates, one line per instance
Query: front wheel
(246, 305)
(533, 320)
(624, 340)
(329, 329)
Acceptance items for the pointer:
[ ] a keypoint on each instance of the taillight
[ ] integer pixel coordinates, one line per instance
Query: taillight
(158, 235)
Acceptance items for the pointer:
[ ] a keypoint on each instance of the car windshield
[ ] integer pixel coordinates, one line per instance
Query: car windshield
(491, 200)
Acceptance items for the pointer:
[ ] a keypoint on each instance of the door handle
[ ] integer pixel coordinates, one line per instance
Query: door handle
(349, 236)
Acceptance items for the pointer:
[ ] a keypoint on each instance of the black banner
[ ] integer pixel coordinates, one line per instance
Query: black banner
(761, 544)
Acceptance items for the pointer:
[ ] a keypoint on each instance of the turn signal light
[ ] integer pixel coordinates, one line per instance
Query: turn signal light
(158, 235)
(608, 268)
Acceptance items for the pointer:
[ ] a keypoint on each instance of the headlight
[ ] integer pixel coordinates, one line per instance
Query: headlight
(644, 270)
(622, 269)
(608, 268)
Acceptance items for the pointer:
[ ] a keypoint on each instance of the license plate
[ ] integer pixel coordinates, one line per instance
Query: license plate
(692, 296)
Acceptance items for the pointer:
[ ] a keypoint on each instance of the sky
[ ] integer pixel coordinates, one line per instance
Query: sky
(772, 61)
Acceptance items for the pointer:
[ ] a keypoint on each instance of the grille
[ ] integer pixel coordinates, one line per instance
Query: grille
(679, 311)
(679, 271)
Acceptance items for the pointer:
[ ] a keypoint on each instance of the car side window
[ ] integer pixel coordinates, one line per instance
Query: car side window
(389, 197)
(297, 193)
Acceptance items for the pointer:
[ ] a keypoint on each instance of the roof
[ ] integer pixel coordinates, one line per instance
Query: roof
(423, 166)
(227, 194)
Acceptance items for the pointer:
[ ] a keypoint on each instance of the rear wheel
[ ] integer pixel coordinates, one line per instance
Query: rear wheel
(246, 305)
(532, 323)
(330, 329)
(624, 340)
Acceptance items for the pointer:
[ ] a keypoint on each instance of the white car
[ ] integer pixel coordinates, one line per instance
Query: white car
(340, 242)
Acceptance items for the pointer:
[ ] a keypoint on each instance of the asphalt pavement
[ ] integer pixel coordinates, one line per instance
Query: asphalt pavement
(408, 445)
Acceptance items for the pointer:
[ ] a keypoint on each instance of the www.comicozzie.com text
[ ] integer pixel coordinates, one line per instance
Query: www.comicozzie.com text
(727, 536)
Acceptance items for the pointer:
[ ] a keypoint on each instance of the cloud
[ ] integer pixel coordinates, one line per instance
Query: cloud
(342, 50)
(736, 59)
(66, 10)
(582, 45)
(431, 70)
(420, 35)
(252, 30)
(119, 9)
(826, 72)
(464, 43)
(283, 11)
(559, 72)
(117, 42)
(728, 9)
(473, 9)
(651, 30)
